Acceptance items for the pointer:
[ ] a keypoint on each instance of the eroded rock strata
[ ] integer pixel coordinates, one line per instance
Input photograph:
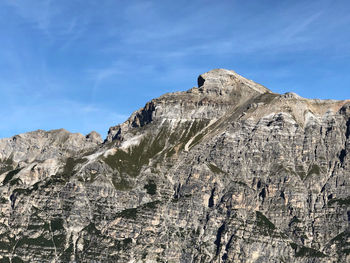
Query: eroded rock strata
(225, 172)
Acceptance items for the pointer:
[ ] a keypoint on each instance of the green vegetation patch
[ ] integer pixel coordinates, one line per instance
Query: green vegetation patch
(195, 127)
(71, 163)
(53, 180)
(67, 253)
(91, 228)
(6, 166)
(340, 201)
(215, 169)
(346, 251)
(151, 205)
(265, 225)
(300, 171)
(179, 132)
(170, 152)
(6, 246)
(123, 244)
(37, 223)
(17, 260)
(281, 169)
(267, 97)
(39, 241)
(3, 200)
(341, 241)
(10, 175)
(57, 224)
(26, 191)
(301, 251)
(130, 213)
(196, 139)
(131, 161)
(342, 237)
(16, 181)
(5, 260)
(294, 220)
(314, 169)
(151, 187)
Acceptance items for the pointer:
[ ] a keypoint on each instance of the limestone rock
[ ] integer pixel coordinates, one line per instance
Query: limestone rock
(94, 137)
(224, 172)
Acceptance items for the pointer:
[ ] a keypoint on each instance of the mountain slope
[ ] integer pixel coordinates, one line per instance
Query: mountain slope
(225, 172)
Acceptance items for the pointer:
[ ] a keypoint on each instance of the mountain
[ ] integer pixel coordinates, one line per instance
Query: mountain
(225, 172)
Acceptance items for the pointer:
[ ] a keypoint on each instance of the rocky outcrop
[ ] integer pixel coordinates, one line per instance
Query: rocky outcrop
(224, 172)
(94, 137)
(41, 145)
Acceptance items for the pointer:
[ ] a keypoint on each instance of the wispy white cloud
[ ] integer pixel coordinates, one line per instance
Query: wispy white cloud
(101, 74)
(299, 27)
(196, 34)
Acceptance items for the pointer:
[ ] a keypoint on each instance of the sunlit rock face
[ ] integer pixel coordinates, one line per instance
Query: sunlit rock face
(224, 172)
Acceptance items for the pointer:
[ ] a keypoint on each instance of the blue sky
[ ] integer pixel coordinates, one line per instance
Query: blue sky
(87, 65)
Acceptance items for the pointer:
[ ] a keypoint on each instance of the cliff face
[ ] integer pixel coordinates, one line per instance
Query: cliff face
(225, 172)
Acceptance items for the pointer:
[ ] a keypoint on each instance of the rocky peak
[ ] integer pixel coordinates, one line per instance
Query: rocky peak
(218, 90)
(345, 110)
(42, 145)
(225, 82)
(94, 137)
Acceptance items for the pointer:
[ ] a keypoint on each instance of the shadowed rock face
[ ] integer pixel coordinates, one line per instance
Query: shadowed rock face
(225, 172)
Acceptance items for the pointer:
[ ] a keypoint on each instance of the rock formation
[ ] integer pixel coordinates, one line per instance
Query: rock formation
(225, 172)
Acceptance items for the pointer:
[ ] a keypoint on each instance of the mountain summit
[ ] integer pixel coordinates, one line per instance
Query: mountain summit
(227, 80)
(218, 91)
(224, 172)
